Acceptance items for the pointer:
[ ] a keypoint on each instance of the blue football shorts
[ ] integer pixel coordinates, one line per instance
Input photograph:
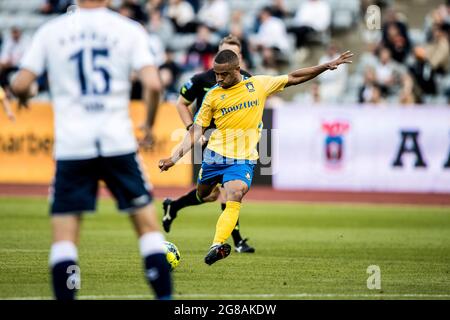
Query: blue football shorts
(218, 169)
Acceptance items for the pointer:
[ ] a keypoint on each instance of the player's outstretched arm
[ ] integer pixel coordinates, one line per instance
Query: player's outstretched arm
(305, 74)
(191, 137)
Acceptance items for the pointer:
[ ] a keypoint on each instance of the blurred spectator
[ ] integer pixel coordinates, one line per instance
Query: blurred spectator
(201, 53)
(195, 4)
(279, 9)
(332, 84)
(272, 32)
(368, 58)
(432, 59)
(155, 5)
(157, 48)
(311, 97)
(380, 3)
(182, 15)
(407, 94)
(170, 73)
(313, 16)
(126, 11)
(135, 10)
(437, 52)
(366, 90)
(55, 6)
(376, 96)
(438, 16)
(13, 49)
(396, 36)
(271, 41)
(399, 46)
(247, 58)
(386, 71)
(161, 26)
(237, 29)
(215, 14)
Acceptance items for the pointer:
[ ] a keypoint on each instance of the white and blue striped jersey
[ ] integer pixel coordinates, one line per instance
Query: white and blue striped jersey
(89, 56)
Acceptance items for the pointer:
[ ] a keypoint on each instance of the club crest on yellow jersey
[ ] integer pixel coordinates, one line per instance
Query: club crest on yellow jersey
(250, 87)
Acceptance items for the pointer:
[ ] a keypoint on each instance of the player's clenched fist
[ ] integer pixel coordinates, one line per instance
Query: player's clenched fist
(165, 164)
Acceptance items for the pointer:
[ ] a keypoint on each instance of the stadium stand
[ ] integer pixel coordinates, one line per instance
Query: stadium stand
(347, 28)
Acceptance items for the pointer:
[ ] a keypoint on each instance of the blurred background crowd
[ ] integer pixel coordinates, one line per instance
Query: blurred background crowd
(401, 46)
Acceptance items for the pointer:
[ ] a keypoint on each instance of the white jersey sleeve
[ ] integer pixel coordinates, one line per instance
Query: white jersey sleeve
(141, 56)
(35, 59)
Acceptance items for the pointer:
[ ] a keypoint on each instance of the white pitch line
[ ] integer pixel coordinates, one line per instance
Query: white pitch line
(250, 295)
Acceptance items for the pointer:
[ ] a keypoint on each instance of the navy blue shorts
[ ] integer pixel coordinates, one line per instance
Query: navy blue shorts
(218, 169)
(76, 183)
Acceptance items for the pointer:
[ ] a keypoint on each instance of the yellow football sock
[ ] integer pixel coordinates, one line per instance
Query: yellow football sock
(227, 221)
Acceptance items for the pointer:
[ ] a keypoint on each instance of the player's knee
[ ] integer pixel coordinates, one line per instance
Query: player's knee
(144, 219)
(235, 194)
(65, 227)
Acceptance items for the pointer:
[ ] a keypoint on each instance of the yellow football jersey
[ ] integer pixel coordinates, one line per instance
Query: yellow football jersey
(237, 112)
(2, 94)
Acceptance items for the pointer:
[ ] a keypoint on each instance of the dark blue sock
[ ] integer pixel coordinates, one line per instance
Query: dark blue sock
(63, 287)
(236, 234)
(189, 199)
(157, 272)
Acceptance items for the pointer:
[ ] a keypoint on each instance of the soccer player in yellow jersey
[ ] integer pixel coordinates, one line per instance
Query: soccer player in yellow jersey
(236, 104)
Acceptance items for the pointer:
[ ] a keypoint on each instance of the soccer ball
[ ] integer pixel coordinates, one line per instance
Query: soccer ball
(172, 254)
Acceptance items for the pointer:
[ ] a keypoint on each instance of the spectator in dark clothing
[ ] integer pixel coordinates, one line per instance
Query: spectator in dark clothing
(431, 60)
(279, 10)
(201, 53)
(55, 6)
(170, 72)
(12, 51)
(398, 45)
(134, 11)
(396, 36)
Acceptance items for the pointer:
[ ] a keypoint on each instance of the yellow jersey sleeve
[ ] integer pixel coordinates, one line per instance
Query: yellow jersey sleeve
(205, 114)
(273, 84)
(2, 94)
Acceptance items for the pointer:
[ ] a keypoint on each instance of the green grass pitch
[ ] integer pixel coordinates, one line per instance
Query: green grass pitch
(303, 251)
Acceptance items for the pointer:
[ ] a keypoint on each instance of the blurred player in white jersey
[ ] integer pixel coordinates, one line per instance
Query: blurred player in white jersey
(89, 55)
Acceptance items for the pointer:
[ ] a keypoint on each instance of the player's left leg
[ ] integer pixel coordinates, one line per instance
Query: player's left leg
(236, 179)
(151, 247)
(63, 260)
(73, 191)
(240, 244)
(235, 191)
(125, 180)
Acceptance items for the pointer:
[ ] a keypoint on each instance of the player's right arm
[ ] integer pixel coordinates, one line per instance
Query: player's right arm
(192, 136)
(32, 65)
(201, 122)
